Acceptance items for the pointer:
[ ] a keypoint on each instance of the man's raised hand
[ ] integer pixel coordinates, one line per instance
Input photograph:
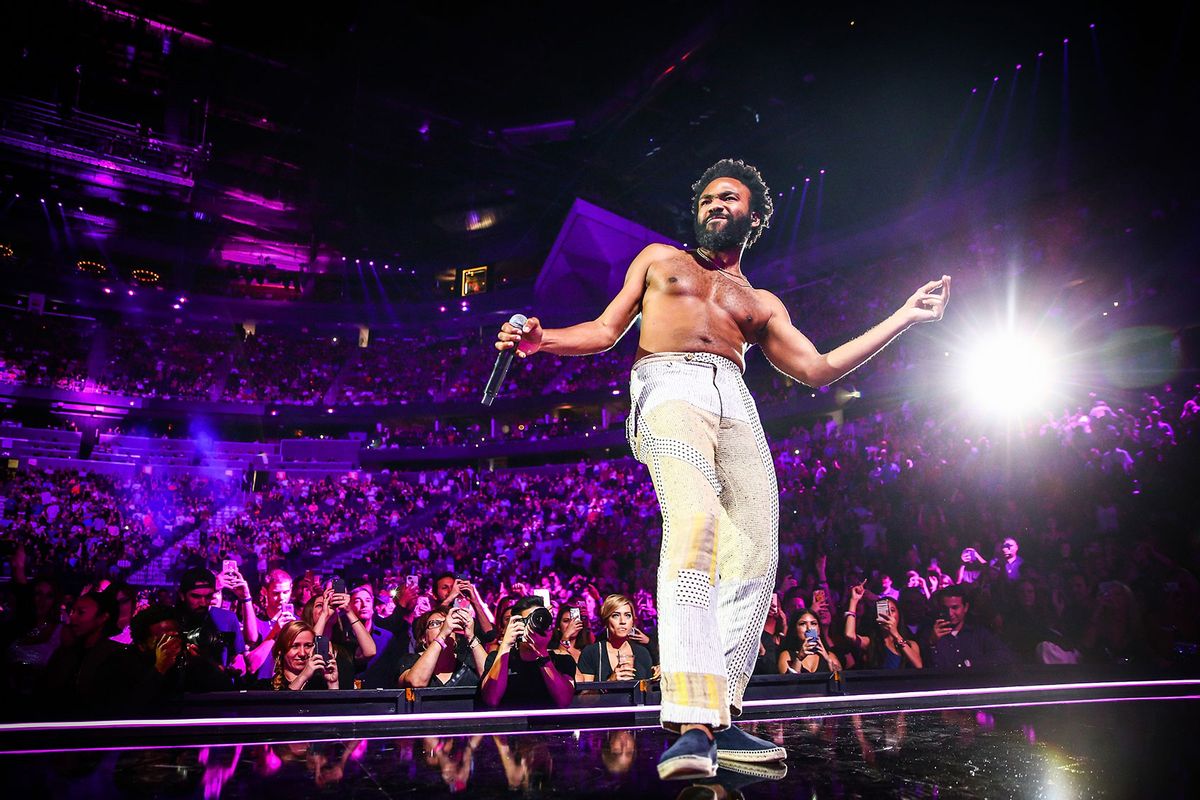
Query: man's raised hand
(926, 306)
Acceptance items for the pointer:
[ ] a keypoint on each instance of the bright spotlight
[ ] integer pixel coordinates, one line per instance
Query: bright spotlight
(1008, 374)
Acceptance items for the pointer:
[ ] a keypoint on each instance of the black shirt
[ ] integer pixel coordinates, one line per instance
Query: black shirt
(593, 660)
(526, 687)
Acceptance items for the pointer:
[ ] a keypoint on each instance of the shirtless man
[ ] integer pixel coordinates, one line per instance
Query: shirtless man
(695, 426)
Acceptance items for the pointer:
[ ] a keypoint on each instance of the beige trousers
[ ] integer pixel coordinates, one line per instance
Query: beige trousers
(695, 426)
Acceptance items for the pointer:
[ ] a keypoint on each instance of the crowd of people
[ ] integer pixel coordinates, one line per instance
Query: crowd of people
(909, 540)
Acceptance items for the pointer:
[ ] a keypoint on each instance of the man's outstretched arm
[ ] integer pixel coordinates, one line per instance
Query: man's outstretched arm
(591, 337)
(791, 352)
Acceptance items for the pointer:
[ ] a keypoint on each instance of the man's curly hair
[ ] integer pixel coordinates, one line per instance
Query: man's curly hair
(760, 194)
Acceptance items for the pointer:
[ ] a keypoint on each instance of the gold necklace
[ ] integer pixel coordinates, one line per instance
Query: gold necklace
(721, 271)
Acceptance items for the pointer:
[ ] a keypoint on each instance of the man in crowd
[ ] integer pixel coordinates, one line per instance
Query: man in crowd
(955, 642)
(279, 611)
(217, 633)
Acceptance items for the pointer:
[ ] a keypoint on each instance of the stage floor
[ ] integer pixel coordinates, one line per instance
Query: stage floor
(1095, 747)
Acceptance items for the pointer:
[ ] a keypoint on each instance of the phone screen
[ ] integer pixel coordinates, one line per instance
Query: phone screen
(574, 613)
(228, 566)
(413, 581)
(882, 607)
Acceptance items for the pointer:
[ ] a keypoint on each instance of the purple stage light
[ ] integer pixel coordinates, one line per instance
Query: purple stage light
(1040, 54)
(1092, 26)
(370, 263)
(107, 290)
(358, 261)
(974, 91)
(1018, 66)
(42, 199)
(443, 308)
(131, 292)
(176, 306)
(996, 79)
(1066, 41)
(822, 172)
(807, 180)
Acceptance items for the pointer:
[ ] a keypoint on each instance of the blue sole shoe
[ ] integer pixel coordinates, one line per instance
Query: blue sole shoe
(737, 746)
(692, 756)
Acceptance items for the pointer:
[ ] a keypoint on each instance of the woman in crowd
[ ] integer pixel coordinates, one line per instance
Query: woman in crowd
(298, 666)
(319, 612)
(570, 634)
(617, 658)
(803, 649)
(881, 643)
(450, 653)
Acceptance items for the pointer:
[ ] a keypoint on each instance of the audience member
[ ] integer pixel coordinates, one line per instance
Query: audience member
(520, 673)
(616, 657)
(450, 655)
(956, 642)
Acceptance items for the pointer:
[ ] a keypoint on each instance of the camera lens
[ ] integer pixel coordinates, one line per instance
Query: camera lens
(539, 621)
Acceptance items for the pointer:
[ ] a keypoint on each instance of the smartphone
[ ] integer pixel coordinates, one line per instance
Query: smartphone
(818, 596)
(229, 566)
(413, 581)
(544, 594)
(462, 602)
(288, 610)
(882, 607)
(322, 648)
(812, 634)
(574, 613)
(339, 584)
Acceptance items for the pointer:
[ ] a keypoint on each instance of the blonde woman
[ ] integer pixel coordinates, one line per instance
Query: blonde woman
(617, 657)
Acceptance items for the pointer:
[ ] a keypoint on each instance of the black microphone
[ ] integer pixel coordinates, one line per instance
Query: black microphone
(503, 362)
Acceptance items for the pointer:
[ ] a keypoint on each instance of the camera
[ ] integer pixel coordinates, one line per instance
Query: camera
(539, 621)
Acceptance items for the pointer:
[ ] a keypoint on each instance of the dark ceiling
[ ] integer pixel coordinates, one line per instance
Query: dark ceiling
(388, 130)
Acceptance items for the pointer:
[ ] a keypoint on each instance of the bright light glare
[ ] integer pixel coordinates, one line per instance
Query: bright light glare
(1007, 375)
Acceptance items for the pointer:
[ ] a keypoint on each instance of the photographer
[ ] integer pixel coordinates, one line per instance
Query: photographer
(957, 643)
(217, 633)
(520, 673)
(168, 667)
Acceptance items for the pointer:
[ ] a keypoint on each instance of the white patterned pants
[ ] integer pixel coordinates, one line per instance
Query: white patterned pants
(695, 426)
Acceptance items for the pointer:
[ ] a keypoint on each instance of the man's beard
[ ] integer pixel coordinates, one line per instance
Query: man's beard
(731, 236)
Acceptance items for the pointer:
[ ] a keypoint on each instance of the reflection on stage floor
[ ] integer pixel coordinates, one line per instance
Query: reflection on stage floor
(1098, 748)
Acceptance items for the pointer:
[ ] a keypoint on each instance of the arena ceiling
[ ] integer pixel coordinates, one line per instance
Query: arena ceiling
(436, 137)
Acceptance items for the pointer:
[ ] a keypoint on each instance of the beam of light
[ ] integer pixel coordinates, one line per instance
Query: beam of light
(1008, 374)
(976, 135)
(799, 215)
